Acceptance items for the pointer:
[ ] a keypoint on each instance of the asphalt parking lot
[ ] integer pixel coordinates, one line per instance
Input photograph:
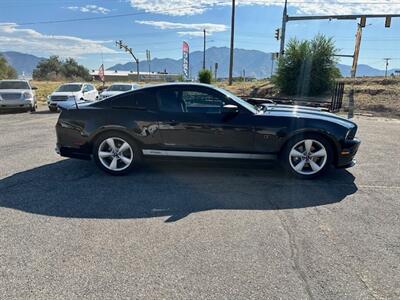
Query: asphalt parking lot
(196, 230)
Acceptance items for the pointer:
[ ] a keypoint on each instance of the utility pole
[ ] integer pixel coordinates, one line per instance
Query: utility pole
(232, 43)
(283, 29)
(354, 70)
(272, 63)
(204, 49)
(121, 45)
(148, 57)
(387, 64)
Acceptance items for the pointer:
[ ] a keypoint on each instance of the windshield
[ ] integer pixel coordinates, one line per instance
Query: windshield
(14, 85)
(69, 88)
(238, 100)
(119, 88)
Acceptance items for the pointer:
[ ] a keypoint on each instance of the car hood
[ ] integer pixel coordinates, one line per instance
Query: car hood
(305, 112)
(71, 104)
(65, 93)
(111, 93)
(15, 91)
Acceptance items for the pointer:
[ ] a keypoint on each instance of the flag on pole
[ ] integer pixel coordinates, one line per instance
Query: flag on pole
(185, 61)
(101, 72)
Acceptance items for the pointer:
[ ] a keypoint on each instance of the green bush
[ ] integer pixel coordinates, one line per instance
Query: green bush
(56, 69)
(308, 68)
(6, 71)
(205, 76)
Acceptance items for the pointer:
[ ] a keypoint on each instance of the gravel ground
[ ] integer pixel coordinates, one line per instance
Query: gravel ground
(196, 230)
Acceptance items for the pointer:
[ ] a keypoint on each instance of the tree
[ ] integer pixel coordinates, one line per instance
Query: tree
(308, 68)
(56, 69)
(6, 71)
(71, 69)
(205, 76)
(48, 69)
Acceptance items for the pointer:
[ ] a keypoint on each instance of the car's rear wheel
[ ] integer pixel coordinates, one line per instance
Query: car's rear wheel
(116, 153)
(53, 109)
(307, 156)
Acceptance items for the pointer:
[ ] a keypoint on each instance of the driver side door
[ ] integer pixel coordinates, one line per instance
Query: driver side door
(191, 119)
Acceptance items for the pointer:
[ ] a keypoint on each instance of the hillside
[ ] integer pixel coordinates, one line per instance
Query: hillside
(23, 63)
(256, 64)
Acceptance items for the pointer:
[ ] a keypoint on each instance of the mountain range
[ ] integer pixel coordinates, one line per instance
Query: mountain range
(254, 63)
(23, 63)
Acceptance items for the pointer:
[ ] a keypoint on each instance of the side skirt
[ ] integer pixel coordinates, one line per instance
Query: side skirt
(209, 154)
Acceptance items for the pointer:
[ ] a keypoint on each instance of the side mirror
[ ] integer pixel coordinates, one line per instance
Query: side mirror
(34, 88)
(230, 109)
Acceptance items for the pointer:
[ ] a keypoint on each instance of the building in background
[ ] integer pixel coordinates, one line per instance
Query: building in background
(131, 76)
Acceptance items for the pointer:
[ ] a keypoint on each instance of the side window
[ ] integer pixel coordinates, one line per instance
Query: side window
(169, 100)
(85, 88)
(90, 87)
(139, 100)
(202, 101)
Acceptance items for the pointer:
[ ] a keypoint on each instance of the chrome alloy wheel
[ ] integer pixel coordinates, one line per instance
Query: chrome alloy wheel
(115, 154)
(308, 157)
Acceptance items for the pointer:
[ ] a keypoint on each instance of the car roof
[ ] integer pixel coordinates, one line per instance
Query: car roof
(15, 80)
(124, 83)
(178, 84)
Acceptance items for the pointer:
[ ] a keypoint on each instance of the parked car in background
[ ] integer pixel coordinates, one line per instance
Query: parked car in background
(17, 94)
(70, 93)
(197, 120)
(118, 88)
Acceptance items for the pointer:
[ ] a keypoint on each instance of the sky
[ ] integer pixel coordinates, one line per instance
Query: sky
(34, 27)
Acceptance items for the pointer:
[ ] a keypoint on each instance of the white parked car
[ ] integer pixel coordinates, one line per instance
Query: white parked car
(17, 94)
(118, 88)
(72, 92)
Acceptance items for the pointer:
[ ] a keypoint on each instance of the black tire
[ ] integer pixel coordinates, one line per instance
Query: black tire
(308, 172)
(53, 109)
(33, 108)
(135, 155)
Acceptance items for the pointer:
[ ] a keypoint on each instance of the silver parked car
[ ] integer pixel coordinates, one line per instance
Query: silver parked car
(118, 88)
(17, 94)
(69, 93)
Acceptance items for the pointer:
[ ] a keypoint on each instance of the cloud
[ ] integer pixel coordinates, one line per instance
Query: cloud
(190, 7)
(12, 37)
(192, 29)
(90, 9)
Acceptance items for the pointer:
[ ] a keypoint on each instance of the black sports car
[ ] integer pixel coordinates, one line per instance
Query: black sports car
(196, 120)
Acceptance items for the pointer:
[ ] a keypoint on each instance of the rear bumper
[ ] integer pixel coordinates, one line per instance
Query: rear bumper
(72, 152)
(347, 152)
(70, 143)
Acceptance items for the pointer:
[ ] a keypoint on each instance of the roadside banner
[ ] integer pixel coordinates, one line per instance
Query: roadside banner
(101, 73)
(185, 61)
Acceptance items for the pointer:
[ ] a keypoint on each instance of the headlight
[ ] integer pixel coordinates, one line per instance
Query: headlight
(28, 95)
(351, 133)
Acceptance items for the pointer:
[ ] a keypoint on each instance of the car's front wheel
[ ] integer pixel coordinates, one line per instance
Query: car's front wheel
(307, 156)
(116, 153)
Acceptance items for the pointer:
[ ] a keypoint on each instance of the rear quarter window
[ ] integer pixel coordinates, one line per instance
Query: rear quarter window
(143, 100)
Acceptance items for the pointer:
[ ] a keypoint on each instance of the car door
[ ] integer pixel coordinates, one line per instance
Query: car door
(91, 92)
(191, 119)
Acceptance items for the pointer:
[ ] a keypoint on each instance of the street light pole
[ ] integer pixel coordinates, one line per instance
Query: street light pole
(204, 50)
(232, 43)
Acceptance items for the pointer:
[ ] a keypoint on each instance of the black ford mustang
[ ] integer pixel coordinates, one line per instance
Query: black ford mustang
(196, 120)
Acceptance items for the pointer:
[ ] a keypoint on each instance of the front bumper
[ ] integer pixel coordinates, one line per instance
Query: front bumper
(347, 152)
(13, 104)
